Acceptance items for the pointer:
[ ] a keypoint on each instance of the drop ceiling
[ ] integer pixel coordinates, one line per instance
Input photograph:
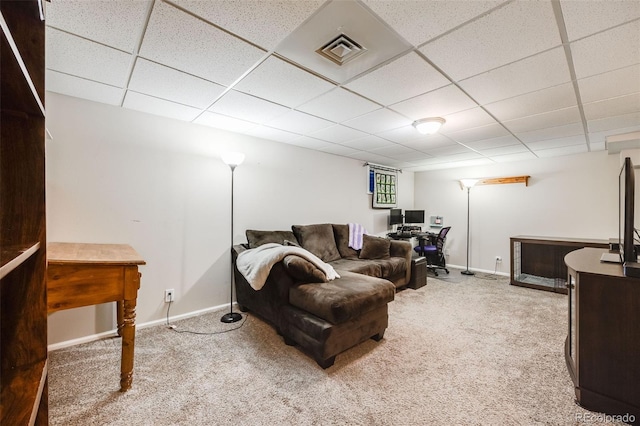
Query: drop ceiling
(514, 80)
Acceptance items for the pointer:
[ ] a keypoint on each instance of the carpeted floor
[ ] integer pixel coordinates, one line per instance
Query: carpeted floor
(459, 351)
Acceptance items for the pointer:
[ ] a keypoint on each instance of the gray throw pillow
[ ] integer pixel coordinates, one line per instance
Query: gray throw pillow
(318, 239)
(341, 233)
(375, 247)
(257, 238)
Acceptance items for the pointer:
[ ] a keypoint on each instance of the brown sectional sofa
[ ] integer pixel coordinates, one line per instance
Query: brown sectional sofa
(326, 318)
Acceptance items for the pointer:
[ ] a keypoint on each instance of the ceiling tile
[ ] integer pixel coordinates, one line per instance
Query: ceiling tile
(311, 143)
(470, 118)
(195, 46)
(115, 23)
(537, 72)
(550, 99)
(83, 58)
(337, 134)
(510, 33)
(283, 83)
(420, 21)
(618, 122)
(339, 105)
(157, 106)
(558, 152)
(166, 83)
(299, 122)
(378, 121)
(223, 122)
(337, 149)
(394, 151)
(367, 143)
(338, 18)
(583, 18)
(247, 107)
(558, 143)
(607, 51)
(438, 103)
(572, 129)
(544, 120)
(610, 84)
(514, 157)
(270, 133)
(81, 88)
(492, 143)
(264, 23)
(479, 133)
(449, 150)
(427, 142)
(505, 150)
(404, 78)
(611, 107)
(371, 157)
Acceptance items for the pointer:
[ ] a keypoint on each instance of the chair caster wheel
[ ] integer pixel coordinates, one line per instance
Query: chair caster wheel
(446, 270)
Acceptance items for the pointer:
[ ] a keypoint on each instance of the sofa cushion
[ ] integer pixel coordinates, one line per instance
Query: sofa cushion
(374, 247)
(318, 239)
(342, 299)
(392, 267)
(303, 270)
(360, 266)
(341, 233)
(257, 238)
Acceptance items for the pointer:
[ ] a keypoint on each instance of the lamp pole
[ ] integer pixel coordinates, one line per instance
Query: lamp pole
(232, 159)
(468, 183)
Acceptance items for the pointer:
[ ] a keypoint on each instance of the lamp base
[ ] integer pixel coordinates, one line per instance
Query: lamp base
(231, 317)
(467, 272)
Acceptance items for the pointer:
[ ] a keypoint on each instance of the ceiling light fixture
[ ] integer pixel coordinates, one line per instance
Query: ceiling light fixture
(429, 126)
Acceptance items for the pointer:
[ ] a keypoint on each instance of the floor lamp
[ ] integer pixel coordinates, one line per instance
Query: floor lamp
(233, 160)
(468, 183)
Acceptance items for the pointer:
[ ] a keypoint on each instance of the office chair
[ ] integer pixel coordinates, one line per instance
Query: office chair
(434, 251)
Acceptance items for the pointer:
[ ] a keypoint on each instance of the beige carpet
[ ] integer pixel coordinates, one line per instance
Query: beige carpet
(459, 351)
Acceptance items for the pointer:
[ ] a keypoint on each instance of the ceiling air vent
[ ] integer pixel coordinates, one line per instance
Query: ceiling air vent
(341, 50)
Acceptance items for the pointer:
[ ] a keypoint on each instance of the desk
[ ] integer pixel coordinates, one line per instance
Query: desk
(89, 274)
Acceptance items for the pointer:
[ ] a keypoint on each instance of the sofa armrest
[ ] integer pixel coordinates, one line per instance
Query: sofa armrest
(401, 248)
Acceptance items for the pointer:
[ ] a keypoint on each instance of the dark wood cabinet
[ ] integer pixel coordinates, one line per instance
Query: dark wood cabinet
(23, 310)
(602, 349)
(538, 262)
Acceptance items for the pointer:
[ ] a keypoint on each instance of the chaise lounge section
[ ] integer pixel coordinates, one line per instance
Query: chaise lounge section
(325, 317)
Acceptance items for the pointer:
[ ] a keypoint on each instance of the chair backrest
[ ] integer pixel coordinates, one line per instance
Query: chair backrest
(442, 236)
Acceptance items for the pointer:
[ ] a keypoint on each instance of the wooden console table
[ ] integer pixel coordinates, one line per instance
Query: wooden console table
(538, 262)
(89, 274)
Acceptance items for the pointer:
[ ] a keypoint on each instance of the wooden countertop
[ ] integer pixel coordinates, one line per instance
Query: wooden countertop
(578, 241)
(587, 260)
(117, 254)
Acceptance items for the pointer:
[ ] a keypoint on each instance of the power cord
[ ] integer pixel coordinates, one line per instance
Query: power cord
(174, 327)
(491, 277)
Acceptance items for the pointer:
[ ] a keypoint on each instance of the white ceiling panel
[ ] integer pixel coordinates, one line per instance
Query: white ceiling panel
(270, 133)
(404, 78)
(166, 83)
(455, 149)
(607, 51)
(378, 121)
(537, 72)
(558, 152)
(428, 142)
(195, 46)
(505, 150)
(395, 151)
(438, 103)
(611, 107)
(544, 120)
(299, 122)
(81, 88)
(338, 134)
(420, 21)
(264, 23)
(338, 150)
(247, 107)
(617, 122)
(479, 133)
(572, 129)
(550, 99)
(83, 58)
(116, 23)
(558, 142)
(224, 122)
(510, 33)
(470, 118)
(339, 105)
(283, 83)
(157, 106)
(610, 84)
(510, 158)
(311, 143)
(368, 142)
(485, 144)
(583, 18)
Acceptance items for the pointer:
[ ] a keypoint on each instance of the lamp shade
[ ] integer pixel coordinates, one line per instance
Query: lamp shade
(232, 158)
(469, 183)
(429, 126)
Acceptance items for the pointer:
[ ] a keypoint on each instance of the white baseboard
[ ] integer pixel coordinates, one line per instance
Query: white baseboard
(114, 332)
(504, 274)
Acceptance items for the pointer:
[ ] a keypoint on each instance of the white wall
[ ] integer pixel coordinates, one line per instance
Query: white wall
(574, 196)
(121, 176)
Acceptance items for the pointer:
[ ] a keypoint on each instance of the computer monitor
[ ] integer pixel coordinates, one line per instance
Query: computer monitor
(414, 216)
(395, 217)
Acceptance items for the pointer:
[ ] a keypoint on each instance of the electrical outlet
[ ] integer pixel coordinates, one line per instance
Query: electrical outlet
(498, 258)
(169, 295)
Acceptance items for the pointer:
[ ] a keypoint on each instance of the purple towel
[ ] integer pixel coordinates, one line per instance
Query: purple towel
(355, 235)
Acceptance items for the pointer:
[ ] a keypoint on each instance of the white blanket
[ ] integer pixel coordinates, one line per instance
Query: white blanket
(255, 264)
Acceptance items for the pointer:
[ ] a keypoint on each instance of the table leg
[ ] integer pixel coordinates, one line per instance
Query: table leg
(128, 344)
(120, 315)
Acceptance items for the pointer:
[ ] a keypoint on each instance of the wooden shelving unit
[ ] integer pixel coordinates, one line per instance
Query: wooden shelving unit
(23, 310)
